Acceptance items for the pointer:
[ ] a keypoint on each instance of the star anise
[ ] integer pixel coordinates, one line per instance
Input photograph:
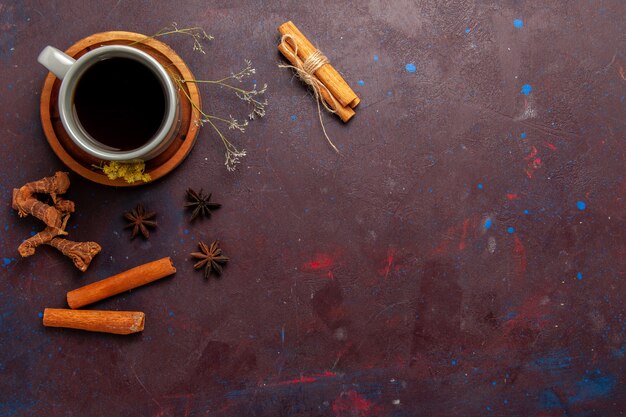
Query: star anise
(200, 203)
(209, 258)
(140, 220)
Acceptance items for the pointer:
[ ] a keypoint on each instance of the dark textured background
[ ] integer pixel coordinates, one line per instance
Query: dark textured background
(440, 267)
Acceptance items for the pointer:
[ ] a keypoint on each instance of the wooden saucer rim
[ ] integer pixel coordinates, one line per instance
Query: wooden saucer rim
(97, 175)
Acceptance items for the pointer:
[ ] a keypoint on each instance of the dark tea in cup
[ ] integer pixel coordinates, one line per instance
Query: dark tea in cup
(120, 103)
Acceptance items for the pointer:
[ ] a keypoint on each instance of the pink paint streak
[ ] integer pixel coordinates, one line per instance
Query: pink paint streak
(534, 162)
(463, 235)
(305, 379)
(321, 261)
(537, 163)
(519, 254)
(459, 232)
(551, 146)
(512, 197)
(391, 253)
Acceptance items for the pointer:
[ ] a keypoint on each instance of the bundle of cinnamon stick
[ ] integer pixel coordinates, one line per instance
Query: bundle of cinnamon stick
(336, 92)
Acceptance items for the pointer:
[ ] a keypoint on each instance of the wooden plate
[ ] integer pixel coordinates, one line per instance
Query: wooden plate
(82, 163)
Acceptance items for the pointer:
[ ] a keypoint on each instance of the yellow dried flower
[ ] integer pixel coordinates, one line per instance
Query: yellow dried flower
(129, 171)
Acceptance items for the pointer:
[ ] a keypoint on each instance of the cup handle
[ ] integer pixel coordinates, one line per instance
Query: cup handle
(57, 62)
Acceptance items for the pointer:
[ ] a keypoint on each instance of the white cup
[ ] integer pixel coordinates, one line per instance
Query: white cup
(70, 71)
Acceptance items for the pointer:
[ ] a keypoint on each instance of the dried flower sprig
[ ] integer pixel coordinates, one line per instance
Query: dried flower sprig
(253, 97)
(196, 33)
(232, 153)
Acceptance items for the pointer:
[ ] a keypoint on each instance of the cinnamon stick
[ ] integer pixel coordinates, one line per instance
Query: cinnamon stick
(344, 112)
(326, 73)
(117, 322)
(121, 282)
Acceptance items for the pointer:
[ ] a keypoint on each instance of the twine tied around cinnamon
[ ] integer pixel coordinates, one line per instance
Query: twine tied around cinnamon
(306, 72)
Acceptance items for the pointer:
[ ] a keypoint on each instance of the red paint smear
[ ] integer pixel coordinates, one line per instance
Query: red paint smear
(512, 197)
(305, 379)
(532, 310)
(534, 162)
(519, 254)
(551, 146)
(322, 261)
(391, 253)
(463, 235)
(530, 169)
(532, 154)
(458, 231)
(351, 404)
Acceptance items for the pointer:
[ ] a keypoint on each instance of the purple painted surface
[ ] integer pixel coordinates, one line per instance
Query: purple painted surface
(383, 282)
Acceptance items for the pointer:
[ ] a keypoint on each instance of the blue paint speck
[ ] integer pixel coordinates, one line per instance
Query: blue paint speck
(581, 205)
(6, 261)
(526, 89)
(488, 224)
(467, 30)
(375, 58)
(518, 23)
(454, 362)
(579, 276)
(410, 67)
(389, 93)
(526, 211)
(480, 186)
(510, 230)
(40, 315)
(523, 135)
(494, 383)
(33, 233)
(294, 117)
(186, 231)
(171, 313)
(361, 82)
(6, 227)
